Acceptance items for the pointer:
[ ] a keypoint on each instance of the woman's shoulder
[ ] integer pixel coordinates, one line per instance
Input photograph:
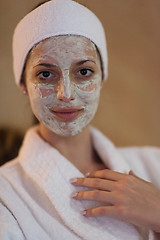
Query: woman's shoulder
(9, 167)
(144, 161)
(144, 153)
(12, 227)
(11, 175)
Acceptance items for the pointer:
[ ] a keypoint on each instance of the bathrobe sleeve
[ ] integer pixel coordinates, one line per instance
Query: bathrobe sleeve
(9, 228)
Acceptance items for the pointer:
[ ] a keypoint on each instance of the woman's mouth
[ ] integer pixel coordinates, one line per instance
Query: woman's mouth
(67, 114)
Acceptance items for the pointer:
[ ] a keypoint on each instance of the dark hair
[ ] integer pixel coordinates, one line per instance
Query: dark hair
(10, 142)
(41, 3)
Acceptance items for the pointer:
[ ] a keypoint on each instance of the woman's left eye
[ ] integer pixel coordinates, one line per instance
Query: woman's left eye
(85, 72)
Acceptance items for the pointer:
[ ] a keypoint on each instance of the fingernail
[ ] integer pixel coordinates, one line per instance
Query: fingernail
(84, 213)
(74, 195)
(87, 174)
(131, 173)
(73, 180)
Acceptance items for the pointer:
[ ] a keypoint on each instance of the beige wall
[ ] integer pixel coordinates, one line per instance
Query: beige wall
(129, 111)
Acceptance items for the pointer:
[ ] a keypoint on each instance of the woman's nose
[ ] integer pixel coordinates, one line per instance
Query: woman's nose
(65, 92)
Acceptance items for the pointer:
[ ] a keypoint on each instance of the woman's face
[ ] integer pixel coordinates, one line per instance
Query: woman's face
(63, 79)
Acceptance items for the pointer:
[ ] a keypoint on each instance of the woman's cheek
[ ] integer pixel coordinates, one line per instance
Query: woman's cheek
(89, 92)
(45, 90)
(40, 99)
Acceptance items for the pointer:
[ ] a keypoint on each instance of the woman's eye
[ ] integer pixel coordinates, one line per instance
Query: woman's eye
(85, 72)
(44, 75)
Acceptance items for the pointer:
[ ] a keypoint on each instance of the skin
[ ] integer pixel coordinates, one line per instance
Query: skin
(63, 58)
(128, 197)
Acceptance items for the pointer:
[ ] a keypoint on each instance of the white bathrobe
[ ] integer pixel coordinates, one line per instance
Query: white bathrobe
(35, 202)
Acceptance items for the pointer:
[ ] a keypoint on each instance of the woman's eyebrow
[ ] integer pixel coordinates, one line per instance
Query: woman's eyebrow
(84, 61)
(45, 65)
(49, 65)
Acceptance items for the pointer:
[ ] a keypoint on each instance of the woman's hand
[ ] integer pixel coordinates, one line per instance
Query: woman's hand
(128, 197)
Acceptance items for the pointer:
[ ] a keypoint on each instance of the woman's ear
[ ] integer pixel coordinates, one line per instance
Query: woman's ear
(23, 88)
(102, 82)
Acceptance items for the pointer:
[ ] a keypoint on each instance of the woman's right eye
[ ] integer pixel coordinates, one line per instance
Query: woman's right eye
(44, 75)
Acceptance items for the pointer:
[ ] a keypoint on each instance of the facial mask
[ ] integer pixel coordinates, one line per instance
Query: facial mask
(66, 101)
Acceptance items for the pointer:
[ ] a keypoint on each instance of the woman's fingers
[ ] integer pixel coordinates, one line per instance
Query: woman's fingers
(106, 174)
(103, 211)
(129, 197)
(102, 180)
(101, 196)
(96, 183)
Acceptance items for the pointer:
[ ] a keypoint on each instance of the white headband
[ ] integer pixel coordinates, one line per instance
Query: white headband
(54, 18)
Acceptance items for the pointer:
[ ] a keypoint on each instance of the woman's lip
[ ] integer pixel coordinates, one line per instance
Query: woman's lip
(67, 114)
(66, 110)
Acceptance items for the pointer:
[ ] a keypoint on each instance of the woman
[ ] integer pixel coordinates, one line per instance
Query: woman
(60, 62)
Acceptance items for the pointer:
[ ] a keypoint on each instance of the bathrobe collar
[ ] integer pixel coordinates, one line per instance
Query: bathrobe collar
(52, 171)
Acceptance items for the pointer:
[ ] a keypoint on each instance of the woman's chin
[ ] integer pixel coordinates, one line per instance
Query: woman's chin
(63, 131)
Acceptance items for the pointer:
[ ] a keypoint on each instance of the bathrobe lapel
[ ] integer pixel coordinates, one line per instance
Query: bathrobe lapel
(108, 153)
(51, 171)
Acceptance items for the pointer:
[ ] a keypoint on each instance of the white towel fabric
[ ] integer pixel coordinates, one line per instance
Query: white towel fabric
(36, 190)
(54, 18)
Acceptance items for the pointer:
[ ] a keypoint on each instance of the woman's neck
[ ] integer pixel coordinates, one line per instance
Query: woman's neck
(77, 149)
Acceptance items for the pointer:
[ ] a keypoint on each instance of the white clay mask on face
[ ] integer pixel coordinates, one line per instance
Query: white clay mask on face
(63, 77)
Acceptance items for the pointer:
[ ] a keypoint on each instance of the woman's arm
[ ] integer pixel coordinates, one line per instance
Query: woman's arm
(9, 228)
(127, 196)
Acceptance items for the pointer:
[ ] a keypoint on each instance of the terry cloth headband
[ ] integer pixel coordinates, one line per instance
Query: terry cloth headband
(54, 18)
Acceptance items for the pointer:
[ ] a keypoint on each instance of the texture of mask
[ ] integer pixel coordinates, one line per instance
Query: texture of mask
(63, 77)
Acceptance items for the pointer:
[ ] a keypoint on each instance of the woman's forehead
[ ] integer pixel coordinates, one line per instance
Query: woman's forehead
(57, 46)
